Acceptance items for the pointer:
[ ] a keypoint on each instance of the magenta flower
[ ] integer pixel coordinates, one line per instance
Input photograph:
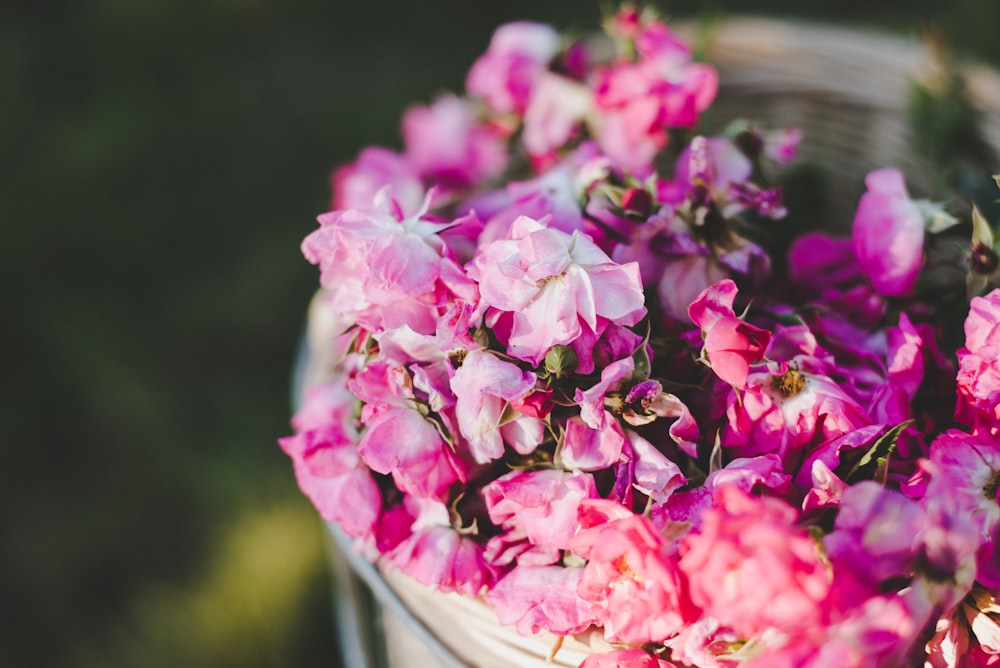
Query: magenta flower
(979, 365)
(888, 234)
(554, 285)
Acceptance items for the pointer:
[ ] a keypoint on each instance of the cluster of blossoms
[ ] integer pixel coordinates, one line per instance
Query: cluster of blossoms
(568, 380)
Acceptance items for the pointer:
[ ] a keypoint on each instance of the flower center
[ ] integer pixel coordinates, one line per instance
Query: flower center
(789, 383)
(984, 260)
(992, 485)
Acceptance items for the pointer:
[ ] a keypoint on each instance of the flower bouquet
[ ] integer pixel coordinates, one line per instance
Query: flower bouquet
(575, 363)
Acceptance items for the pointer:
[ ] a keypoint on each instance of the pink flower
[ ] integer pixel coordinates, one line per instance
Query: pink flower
(539, 507)
(446, 144)
(965, 477)
(537, 599)
(398, 439)
(505, 75)
(591, 400)
(385, 270)
(631, 578)
(751, 568)
(731, 344)
(749, 474)
(558, 106)
(590, 449)
(654, 474)
(969, 636)
(554, 285)
(785, 408)
(335, 479)
(888, 234)
(484, 386)
(905, 372)
(639, 100)
(437, 555)
(979, 365)
(625, 658)
(355, 186)
(327, 465)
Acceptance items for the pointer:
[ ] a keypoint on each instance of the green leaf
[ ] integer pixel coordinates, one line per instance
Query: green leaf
(643, 365)
(561, 361)
(879, 452)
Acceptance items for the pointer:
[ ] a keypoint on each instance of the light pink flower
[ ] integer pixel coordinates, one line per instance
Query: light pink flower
(505, 75)
(979, 365)
(384, 270)
(446, 144)
(888, 234)
(541, 599)
(631, 578)
(751, 568)
(731, 344)
(654, 474)
(554, 285)
(484, 386)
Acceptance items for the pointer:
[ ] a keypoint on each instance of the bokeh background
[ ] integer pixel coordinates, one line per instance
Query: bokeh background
(160, 161)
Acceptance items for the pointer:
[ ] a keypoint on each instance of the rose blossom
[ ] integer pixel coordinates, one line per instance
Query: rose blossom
(484, 386)
(505, 75)
(631, 578)
(751, 568)
(731, 344)
(888, 234)
(445, 143)
(540, 599)
(539, 508)
(554, 285)
(438, 555)
(979, 364)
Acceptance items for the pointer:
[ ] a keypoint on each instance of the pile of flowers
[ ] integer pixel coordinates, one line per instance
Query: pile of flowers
(575, 378)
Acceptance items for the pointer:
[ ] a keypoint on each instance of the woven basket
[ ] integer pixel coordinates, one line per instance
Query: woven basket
(848, 91)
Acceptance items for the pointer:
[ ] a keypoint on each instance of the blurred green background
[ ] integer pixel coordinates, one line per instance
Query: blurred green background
(161, 161)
